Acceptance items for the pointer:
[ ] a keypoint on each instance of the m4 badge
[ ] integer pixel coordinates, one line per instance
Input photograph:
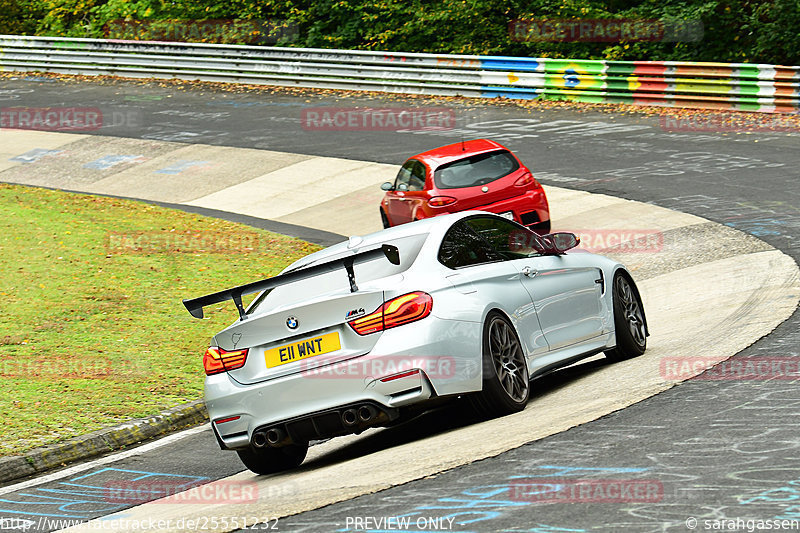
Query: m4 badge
(355, 313)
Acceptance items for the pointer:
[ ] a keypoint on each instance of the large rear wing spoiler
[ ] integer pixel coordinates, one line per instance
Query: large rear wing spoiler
(195, 305)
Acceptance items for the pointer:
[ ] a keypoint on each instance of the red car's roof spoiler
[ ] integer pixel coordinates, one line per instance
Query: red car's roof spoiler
(195, 305)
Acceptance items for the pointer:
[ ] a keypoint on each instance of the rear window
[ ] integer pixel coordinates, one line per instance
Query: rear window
(336, 281)
(475, 170)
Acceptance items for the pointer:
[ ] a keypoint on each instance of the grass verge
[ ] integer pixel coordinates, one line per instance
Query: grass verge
(92, 329)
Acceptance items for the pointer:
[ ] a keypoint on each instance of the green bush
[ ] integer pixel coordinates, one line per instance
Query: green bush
(734, 30)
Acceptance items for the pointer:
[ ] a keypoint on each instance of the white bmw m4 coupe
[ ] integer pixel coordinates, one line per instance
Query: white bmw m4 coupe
(368, 331)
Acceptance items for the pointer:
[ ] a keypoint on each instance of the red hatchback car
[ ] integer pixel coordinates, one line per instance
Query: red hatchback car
(481, 175)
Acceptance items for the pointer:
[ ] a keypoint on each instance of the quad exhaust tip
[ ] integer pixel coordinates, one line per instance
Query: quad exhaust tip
(260, 439)
(366, 413)
(350, 417)
(275, 436)
(359, 415)
(271, 437)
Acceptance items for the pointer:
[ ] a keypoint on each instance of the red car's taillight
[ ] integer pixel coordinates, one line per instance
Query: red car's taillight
(526, 179)
(217, 360)
(396, 312)
(441, 201)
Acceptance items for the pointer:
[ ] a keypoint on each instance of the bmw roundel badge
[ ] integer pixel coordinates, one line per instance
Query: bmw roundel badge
(291, 322)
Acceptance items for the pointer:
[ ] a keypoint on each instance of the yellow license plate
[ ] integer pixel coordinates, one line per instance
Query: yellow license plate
(302, 349)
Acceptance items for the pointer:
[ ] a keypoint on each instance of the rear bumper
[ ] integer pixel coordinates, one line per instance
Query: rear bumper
(323, 424)
(297, 396)
(529, 209)
(445, 366)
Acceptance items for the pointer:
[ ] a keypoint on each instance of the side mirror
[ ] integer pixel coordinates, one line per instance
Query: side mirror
(563, 241)
(388, 186)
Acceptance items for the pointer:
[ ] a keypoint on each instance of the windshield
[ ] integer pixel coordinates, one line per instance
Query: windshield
(475, 170)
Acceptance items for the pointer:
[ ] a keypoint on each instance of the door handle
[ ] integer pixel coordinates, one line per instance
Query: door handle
(528, 271)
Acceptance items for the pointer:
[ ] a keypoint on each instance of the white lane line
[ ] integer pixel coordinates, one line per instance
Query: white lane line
(104, 460)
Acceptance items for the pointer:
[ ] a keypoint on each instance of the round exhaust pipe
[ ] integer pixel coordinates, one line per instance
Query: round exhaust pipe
(274, 436)
(260, 439)
(350, 417)
(366, 413)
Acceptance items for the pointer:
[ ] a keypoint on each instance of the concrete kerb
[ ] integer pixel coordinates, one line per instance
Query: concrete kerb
(102, 441)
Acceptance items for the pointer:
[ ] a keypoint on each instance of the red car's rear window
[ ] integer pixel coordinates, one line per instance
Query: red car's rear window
(475, 170)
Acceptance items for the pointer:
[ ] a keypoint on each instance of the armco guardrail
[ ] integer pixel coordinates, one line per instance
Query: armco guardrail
(740, 86)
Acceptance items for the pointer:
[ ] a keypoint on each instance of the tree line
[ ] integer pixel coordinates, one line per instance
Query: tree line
(755, 31)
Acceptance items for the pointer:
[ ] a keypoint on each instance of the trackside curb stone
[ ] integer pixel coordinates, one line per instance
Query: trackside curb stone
(102, 441)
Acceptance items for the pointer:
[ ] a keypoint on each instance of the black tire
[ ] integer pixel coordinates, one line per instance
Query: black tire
(270, 460)
(506, 384)
(542, 228)
(629, 320)
(384, 219)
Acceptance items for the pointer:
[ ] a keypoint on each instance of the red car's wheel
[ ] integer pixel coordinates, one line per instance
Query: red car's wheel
(542, 228)
(384, 219)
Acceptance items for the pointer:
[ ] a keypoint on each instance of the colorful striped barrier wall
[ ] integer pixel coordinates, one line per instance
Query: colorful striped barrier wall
(729, 86)
(724, 86)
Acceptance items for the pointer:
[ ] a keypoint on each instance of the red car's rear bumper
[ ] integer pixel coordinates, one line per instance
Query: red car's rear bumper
(529, 209)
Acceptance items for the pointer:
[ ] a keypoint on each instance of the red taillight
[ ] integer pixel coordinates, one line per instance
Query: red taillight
(217, 360)
(526, 179)
(396, 312)
(441, 201)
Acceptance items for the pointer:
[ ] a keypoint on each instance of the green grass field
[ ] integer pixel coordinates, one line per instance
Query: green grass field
(92, 329)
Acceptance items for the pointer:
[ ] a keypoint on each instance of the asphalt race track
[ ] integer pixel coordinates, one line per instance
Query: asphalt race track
(710, 449)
